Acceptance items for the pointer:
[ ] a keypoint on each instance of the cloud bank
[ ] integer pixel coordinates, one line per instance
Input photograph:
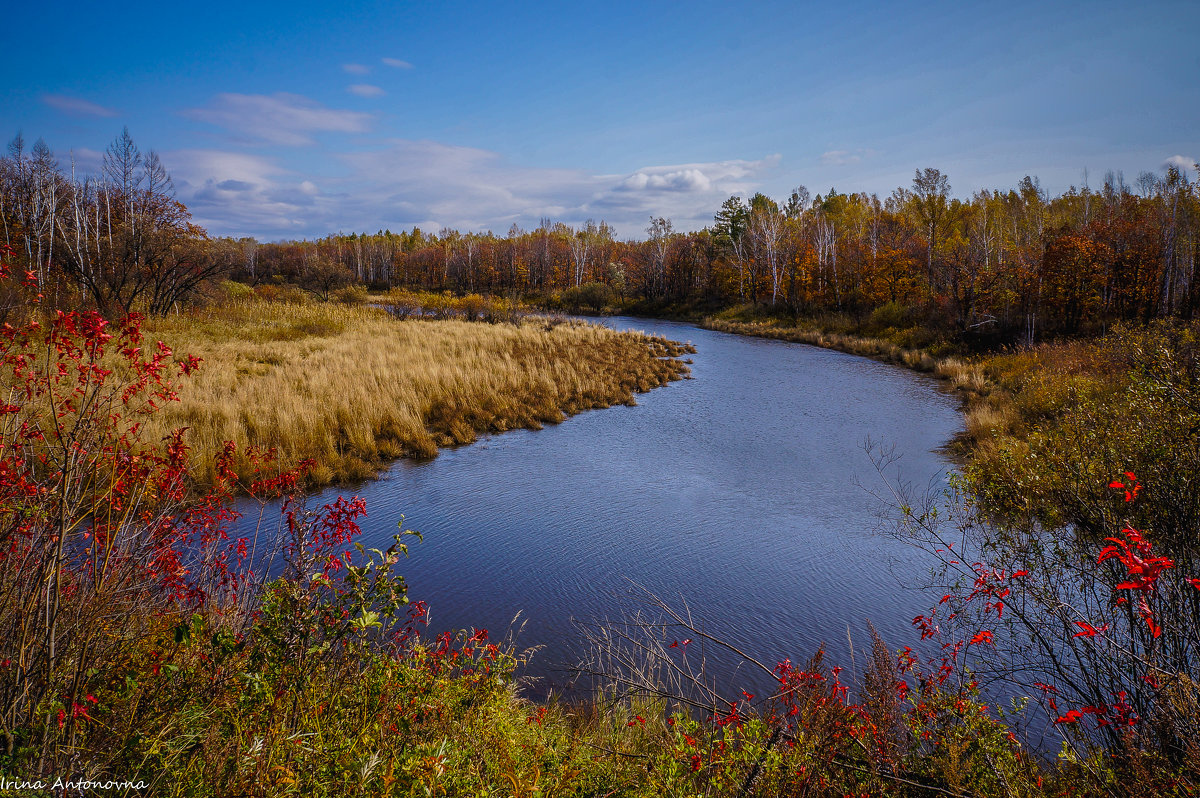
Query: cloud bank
(404, 183)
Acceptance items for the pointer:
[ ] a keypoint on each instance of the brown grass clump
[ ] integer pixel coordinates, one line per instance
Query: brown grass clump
(963, 376)
(984, 420)
(351, 387)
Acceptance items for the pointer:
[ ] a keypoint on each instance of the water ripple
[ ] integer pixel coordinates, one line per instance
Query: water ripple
(743, 492)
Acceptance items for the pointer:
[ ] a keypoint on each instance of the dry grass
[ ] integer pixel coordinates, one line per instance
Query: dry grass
(1088, 359)
(963, 376)
(1045, 379)
(351, 387)
(986, 420)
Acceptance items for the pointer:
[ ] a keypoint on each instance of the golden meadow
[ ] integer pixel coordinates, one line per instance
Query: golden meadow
(351, 387)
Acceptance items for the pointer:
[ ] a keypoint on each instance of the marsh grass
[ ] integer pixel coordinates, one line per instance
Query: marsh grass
(984, 420)
(351, 387)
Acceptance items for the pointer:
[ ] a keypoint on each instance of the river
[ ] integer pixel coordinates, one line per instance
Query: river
(745, 492)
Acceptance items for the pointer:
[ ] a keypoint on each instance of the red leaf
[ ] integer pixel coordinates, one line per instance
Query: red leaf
(1089, 630)
(1071, 717)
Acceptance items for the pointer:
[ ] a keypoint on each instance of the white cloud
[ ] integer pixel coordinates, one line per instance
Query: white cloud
(279, 118)
(74, 106)
(726, 177)
(236, 194)
(397, 63)
(365, 90)
(356, 69)
(461, 187)
(1180, 162)
(431, 184)
(680, 180)
(688, 194)
(194, 168)
(235, 185)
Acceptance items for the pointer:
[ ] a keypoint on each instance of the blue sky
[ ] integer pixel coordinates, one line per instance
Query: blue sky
(290, 120)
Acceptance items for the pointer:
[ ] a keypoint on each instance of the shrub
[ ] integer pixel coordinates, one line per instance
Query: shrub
(97, 541)
(1102, 635)
(281, 292)
(350, 295)
(234, 290)
(894, 315)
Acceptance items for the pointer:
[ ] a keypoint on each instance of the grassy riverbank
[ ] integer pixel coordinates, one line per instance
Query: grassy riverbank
(351, 387)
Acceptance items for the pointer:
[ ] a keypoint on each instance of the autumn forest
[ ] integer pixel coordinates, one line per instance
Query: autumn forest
(1010, 264)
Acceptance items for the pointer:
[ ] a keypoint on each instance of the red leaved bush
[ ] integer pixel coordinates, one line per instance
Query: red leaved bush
(102, 539)
(1106, 638)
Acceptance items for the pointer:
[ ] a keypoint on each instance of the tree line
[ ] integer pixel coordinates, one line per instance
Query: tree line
(1019, 264)
(1016, 265)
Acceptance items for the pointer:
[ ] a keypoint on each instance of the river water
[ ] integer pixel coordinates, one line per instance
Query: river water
(745, 492)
